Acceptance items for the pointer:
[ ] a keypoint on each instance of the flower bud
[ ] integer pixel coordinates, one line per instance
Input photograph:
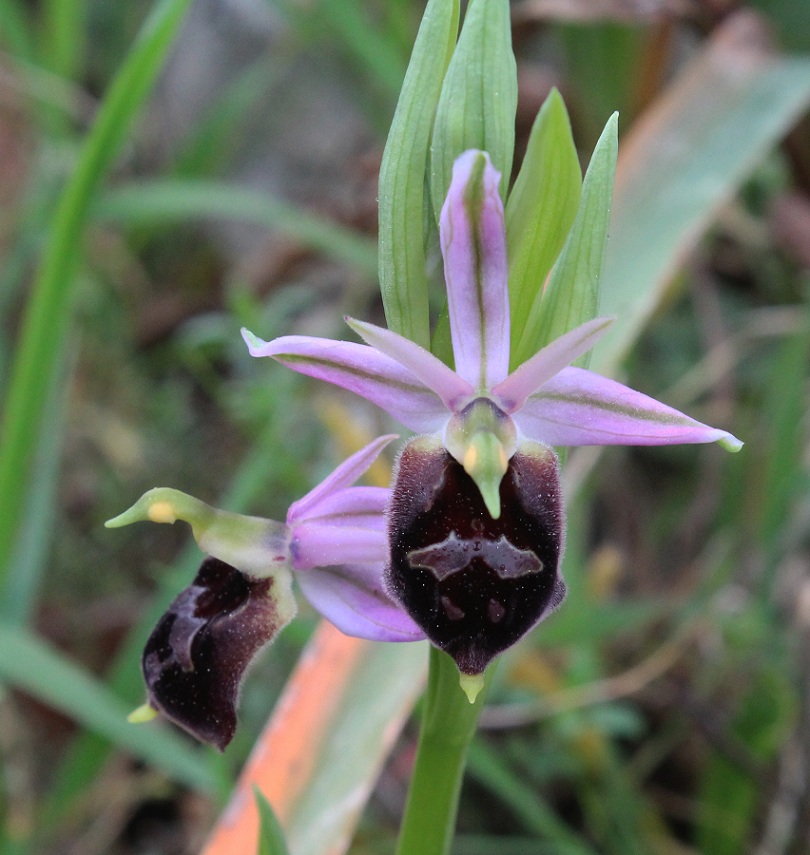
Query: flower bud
(475, 584)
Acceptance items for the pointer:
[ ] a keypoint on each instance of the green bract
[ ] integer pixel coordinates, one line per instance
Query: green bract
(478, 100)
(402, 227)
(461, 96)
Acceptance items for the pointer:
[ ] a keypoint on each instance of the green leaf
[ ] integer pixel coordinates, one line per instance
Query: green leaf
(729, 792)
(19, 596)
(158, 202)
(403, 277)
(15, 30)
(62, 41)
(680, 163)
(479, 98)
(571, 296)
(48, 314)
(29, 664)
(271, 835)
(371, 47)
(518, 796)
(361, 729)
(781, 477)
(541, 209)
(603, 62)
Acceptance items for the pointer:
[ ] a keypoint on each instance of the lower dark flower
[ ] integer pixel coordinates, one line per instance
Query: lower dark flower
(333, 540)
(475, 584)
(197, 655)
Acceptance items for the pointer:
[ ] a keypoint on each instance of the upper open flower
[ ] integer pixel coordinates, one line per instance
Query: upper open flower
(544, 399)
(476, 520)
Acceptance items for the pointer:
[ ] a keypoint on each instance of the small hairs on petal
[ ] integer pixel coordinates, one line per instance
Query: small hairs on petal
(578, 407)
(360, 369)
(473, 240)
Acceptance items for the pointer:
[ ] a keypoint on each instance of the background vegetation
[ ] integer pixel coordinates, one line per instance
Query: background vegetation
(169, 174)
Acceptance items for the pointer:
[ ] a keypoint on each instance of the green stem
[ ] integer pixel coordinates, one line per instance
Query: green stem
(449, 722)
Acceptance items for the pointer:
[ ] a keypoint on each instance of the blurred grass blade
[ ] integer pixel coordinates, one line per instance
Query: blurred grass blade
(212, 144)
(684, 158)
(541, 209)
(48, 313)
(494, 774)
(62, 40)
(478, 99)
(18, 598)
(322, 750)
(729, 793)
(608, 67)
(271, 837)
(159, 202)
(372, 48)
(30, 665)
(571, 296)
(783, 477)
(402, 208)
(15, 30)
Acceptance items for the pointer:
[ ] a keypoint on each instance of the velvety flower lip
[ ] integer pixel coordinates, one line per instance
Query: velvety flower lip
(195, 659)
(334, 542)
(474, 583)
(547, 400)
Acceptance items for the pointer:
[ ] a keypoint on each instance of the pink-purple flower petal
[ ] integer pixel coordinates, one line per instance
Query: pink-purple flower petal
(360, 369)
(317, 501)
(578, 407)
(526, 379)
(473, 240)
(318, 545)
(454, 391)
(354, 600)
(362, 507)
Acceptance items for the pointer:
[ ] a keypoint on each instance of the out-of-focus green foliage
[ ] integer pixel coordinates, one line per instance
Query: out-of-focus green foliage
(661, 709)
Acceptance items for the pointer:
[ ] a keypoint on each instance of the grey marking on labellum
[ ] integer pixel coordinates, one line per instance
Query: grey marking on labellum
(454, 554)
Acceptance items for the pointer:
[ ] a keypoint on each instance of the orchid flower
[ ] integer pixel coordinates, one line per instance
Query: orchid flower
(476, 521)
(334, 539)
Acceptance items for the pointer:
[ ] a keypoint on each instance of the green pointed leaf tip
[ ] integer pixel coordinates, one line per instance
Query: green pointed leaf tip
(541, 210)
(402, 229)
(478, 99)
(271, 835)
(571, 295)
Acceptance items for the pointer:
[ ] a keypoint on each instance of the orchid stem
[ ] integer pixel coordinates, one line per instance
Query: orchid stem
(449, 722)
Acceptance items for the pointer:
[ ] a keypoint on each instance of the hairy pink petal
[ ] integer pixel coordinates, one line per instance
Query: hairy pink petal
(360, 369)
(454, 391)
(578, 407)
(317, 545)
(526, 379)
(353, 507)
(312, 504)
(354, 600)
(473, 240)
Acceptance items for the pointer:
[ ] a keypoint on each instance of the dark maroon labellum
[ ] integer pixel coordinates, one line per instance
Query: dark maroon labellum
(474, 584)
(195, 659)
